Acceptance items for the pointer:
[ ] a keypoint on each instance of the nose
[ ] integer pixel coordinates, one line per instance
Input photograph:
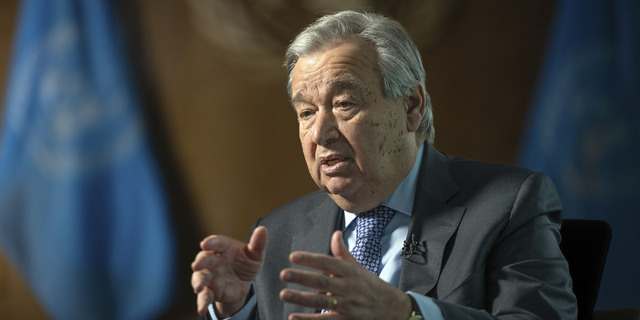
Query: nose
(325, 128)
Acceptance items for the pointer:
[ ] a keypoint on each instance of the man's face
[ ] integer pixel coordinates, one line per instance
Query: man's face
(358, 145)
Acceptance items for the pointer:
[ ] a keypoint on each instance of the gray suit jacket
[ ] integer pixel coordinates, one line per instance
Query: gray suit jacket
(488, 236)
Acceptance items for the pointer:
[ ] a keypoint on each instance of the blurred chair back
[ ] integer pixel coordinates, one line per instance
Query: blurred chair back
(585, 244)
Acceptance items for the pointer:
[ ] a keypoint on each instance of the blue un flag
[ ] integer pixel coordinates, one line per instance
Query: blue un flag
(82, 211)
(584, 129)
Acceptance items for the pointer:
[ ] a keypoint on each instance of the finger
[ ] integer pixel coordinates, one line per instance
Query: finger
(216, 243)
(313, 280)
(257, 244)
(307, 299)
(197, 263)
(340, 250)
(205, 259)
(199, 280)
(322, 262)
(205, 298)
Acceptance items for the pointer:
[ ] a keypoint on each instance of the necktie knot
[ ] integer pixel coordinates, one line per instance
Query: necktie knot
(372, 222)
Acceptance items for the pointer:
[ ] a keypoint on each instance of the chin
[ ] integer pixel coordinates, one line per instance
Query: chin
(340, 190)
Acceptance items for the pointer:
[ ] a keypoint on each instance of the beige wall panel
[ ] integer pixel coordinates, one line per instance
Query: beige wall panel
(482, 75)
(16, 299)
(232, 127)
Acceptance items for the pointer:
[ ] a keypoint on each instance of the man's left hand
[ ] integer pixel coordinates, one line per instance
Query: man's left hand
(359, 293)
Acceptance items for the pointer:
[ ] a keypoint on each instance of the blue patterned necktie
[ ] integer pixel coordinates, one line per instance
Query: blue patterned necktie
(368, 248)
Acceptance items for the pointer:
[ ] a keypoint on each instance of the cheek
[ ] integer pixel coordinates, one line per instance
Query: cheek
(389, 132)
(308, 150)
(310, 160)
(303, 134)
(368, 140)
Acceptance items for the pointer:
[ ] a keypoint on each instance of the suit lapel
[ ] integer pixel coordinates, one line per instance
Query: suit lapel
(433, 222)
(324, 220)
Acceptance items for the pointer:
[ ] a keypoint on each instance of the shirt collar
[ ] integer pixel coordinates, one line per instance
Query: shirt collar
(402, 198)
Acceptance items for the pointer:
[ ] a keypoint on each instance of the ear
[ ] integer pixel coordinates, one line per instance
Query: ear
(414, 104)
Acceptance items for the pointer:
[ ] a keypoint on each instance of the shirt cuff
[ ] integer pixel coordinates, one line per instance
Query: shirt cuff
(428, 308)
(244, 313)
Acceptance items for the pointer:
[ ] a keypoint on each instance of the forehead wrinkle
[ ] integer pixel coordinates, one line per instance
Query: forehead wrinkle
(343, 84)
(331, 85)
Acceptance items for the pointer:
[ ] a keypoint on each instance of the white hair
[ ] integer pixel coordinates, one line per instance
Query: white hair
(398, 57)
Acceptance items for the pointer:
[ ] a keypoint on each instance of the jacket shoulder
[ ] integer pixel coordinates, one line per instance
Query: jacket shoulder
(295, 210)
(471, 174)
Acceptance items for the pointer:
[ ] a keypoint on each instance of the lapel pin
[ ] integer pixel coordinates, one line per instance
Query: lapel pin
(410, 247)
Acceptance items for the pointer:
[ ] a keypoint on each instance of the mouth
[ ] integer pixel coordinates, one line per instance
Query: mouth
(332, 160)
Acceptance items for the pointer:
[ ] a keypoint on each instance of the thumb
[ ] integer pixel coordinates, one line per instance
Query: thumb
(257, 244)
(340, 250)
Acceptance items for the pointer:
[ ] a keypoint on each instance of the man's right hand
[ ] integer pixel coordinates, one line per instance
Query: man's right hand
(224, 269)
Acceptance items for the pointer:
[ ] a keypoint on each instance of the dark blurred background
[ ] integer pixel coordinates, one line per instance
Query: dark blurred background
(224, 132)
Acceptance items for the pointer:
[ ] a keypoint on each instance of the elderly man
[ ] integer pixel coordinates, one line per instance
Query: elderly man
(398, 230)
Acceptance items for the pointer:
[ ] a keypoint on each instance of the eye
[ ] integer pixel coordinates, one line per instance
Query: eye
(305, 114)
(344, 104)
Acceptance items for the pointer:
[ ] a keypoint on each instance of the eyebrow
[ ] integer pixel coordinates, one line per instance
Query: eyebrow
(298, 98)
(333, 84)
